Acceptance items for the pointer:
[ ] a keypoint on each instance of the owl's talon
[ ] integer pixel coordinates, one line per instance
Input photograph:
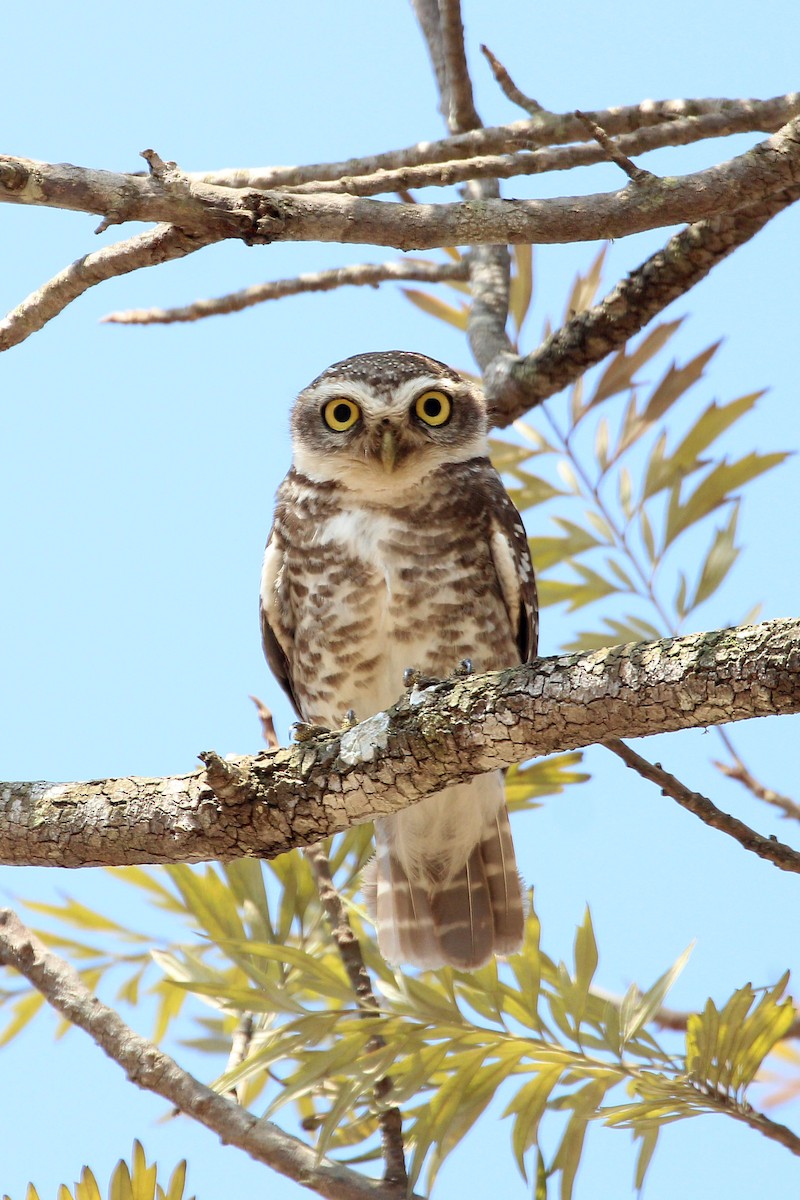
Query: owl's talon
(350, 719)
(303, 731)
(463, 669)
(410, 677)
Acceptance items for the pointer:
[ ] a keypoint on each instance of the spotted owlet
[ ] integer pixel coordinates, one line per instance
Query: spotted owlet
(395, 545)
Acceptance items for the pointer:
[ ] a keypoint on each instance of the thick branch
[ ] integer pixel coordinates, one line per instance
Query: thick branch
(254, 216)
(149, 1068)
(266, 805)
(546, 129)
(515, 383)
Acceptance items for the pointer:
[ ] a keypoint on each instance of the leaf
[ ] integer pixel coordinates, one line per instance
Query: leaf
(586, 958)
(649, 1141)
(505, 455)
(714, 490)
(521, 289)
(528, 1107)
(719, 560)
(653, 999)
(584, 287)
(435, 307)
(545, 777)
(534, 491)
(677, 381)
(618, 375)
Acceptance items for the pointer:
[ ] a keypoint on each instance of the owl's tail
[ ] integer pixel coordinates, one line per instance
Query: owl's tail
(475, 913)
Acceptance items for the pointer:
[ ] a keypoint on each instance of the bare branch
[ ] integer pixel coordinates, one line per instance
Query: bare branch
(357, 275)
(489, 266)
(444, 734)
(765, 847)
(613, 152)
(149, 249)
(389, 1116)
(738, 771)
(515, 384)
(546, 129)
(751, 178)
(462, 112)
(680, 132)
(149, 1068)
(508, 87)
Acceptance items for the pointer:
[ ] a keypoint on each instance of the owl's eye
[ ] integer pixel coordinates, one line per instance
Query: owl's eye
(433, 408)
(340, 414)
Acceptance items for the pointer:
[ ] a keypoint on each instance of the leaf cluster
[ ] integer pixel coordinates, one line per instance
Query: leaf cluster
(136, 1181)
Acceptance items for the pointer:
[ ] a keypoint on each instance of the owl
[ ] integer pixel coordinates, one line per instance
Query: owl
(395, 545)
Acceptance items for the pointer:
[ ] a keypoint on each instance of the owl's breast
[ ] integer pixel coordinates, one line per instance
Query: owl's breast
(373, 592)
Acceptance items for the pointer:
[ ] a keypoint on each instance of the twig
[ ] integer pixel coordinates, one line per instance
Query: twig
(634, 173)
(489, 266)
(158, 245)
(739, 772)
(390, 1118)
(546, 129)
(508, 87)
(357, 275)
(240, 1048)
(769, 848)
(149, 1068)
(517, 383)
(462, 112)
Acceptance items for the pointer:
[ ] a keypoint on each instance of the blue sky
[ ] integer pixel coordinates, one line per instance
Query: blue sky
(139, 467)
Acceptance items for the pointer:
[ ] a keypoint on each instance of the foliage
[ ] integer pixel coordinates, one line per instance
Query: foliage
(135, 1182)
(629, 501)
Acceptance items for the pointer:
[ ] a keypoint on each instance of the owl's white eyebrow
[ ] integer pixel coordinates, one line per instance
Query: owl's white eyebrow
(366, 396)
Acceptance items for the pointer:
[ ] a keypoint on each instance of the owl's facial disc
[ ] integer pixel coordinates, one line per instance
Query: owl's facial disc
(379, 424)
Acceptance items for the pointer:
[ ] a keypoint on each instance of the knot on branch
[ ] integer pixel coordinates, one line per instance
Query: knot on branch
(13, 175)
(229, 783)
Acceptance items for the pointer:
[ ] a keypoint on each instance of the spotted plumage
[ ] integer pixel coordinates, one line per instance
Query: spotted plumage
(395, 545)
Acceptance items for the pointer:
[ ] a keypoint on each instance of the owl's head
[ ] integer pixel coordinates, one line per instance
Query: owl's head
(380, 422)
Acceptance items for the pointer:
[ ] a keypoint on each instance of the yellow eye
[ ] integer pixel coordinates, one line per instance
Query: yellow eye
(341, 414)
(433, 408)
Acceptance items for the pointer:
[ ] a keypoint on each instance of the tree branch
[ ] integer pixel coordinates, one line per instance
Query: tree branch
(149, 249)
(680, 132)
(357, 275)
(261, 217)
(444, 734)
(390, 1119)
(149, 1068)
(516, 383)
(765, 847)
(546, 129)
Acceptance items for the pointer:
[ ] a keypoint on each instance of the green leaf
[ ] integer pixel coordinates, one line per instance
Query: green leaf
(505, 455)
(528, 1107)
(649, 1141)
(677, 381)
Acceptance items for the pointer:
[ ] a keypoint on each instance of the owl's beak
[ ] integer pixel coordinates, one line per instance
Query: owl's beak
(388, 450)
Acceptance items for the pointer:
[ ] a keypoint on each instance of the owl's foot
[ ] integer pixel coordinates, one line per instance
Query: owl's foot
(463, 669)
(305, 732)
(350, 719)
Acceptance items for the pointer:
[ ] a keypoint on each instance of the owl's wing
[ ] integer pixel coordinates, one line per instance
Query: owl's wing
(276, 636)
(512, 561)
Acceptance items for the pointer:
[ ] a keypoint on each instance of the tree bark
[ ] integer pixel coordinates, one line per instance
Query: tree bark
(435, 735)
